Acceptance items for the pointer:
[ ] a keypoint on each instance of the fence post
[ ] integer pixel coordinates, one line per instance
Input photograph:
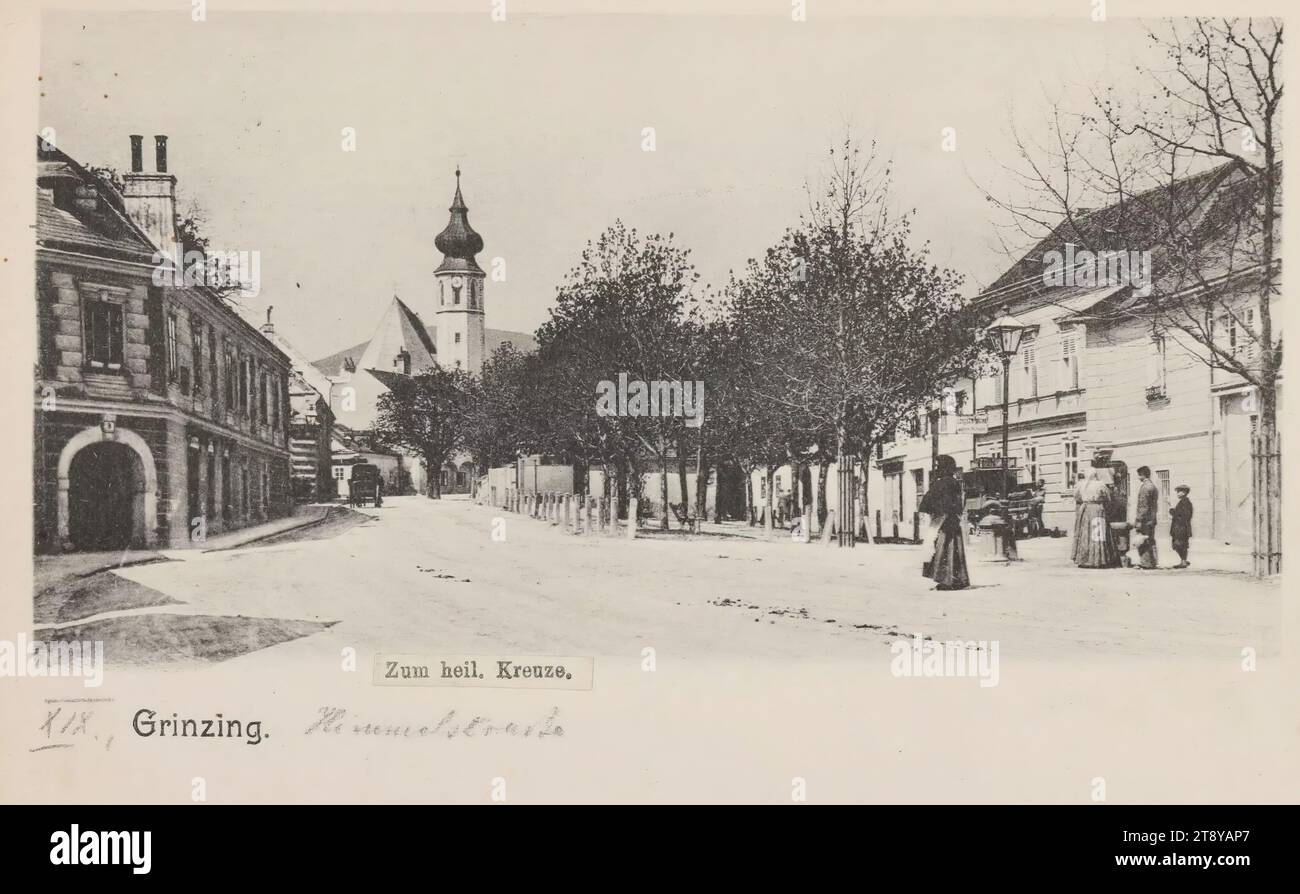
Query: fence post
(877, 524)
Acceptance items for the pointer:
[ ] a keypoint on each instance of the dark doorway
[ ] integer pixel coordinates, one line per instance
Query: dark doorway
(102, 487)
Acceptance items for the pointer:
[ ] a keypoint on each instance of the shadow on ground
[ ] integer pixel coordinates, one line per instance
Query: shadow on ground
(71, 600)
(156, 639)
(338, 520)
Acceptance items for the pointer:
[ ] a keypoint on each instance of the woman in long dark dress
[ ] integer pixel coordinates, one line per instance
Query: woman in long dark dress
(943, 503)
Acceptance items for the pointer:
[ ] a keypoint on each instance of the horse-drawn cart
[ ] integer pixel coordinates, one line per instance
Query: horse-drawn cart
(365, 487)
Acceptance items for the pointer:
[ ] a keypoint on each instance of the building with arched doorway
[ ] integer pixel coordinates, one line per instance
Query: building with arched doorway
(161, 415)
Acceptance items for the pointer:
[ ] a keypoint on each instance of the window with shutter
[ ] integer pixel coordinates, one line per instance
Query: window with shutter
(173, 348)
(1029, 353)
(212, 360)
(1069, 362)
(196, 356)
(1251, 336)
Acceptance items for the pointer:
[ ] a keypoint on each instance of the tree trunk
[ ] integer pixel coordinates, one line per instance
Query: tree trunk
(681, 482)
(702, 474)
(768, 521)
(866, 497)
(749, 494)
(821, 494)
(434, 488)
(619, 502)
(1266, 457)
(1266, 471)
(663, 491)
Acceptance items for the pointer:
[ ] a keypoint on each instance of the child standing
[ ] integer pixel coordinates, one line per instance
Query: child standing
(1180, 528)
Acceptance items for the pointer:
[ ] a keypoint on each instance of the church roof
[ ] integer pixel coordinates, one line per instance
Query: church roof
(333, 365)
(399, 329)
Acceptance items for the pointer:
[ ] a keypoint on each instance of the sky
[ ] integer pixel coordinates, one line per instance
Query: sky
(545, 116)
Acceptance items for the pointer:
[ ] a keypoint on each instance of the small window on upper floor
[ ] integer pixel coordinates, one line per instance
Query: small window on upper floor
(173, 348)
(104, 334)
(457, 338)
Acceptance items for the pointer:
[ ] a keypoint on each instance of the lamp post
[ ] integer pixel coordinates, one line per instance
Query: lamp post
(1006, 332)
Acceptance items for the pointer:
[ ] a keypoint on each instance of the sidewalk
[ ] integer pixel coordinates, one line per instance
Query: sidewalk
(1205, 554)
(303, 516)
(54, 571)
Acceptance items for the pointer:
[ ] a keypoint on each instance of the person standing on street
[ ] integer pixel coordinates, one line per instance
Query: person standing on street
(1180, 527)
(943, 503)
(1094, 544)
(1148, 504)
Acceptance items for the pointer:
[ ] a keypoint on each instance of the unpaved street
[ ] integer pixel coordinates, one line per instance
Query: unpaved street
(425, 576)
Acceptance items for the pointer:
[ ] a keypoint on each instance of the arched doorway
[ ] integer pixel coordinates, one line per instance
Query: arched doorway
(131, 480)
(103, 483)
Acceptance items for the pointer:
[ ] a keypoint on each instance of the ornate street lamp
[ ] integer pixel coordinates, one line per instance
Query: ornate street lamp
(1005, 332)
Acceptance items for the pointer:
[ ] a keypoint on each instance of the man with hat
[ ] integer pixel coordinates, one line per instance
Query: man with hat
(1180, 528)
(1148, 502)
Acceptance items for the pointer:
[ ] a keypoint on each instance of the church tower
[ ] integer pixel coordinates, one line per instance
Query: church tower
(459, 292)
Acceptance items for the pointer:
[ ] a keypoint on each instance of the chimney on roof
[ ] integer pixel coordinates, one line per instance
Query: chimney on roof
(150, 199)
(268, 327)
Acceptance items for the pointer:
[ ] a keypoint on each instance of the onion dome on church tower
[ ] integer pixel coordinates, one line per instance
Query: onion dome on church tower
(458, 242)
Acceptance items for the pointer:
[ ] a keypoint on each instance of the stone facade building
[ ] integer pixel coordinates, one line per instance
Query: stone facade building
(161, 415)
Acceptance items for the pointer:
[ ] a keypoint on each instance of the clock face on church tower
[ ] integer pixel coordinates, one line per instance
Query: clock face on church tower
(457, 282)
